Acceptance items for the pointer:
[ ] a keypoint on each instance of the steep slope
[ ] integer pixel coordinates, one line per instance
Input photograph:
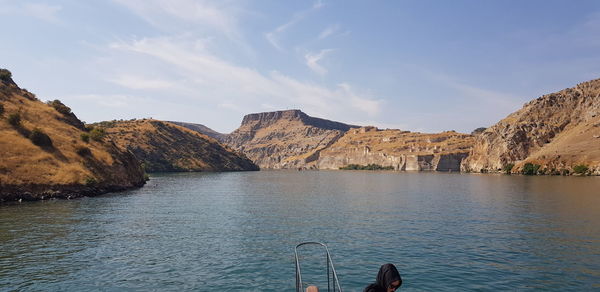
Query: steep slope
(557, 131)
(43, 155)
(202, 129)
(284, 139)
(402, 150)
(166, 147)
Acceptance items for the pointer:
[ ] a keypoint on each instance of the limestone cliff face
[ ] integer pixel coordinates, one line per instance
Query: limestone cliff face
(402, 150)
(166, 147)
(284, 139)
(43, 155)
(557, 131)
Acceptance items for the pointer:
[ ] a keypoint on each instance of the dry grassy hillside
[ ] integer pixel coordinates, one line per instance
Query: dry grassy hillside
(557, 131)
(43, 154)
(166, 147)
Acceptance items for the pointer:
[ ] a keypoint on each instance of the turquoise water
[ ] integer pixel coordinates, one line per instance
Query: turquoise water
(236, 232)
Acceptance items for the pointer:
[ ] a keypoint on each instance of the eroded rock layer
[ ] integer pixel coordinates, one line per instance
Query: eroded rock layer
(556, 131)
(403, 150)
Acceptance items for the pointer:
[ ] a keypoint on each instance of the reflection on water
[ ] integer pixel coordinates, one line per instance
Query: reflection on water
(236, 231)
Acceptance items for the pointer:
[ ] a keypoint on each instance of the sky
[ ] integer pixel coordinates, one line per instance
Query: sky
(419, 65)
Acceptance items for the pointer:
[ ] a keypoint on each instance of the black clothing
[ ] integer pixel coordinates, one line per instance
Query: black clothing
(387, 275)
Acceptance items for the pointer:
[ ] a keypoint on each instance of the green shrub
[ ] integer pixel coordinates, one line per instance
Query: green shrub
(14, 119)
(38, 137)
(366, 167)
(85, 137)
(5, 75)
(97, 134)
(581, 169)
(508, 168)
(146, 177)
(83, 151)
(530, 169)
(90, 181)
(59, 107)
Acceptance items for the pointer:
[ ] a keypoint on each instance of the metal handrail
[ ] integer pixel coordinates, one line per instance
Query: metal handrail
(329, 263)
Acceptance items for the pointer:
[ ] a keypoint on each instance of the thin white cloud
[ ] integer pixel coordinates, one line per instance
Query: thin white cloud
(499, 100)
(41, 11)
(140, 82)
(273, 36)
(221, 83)
(312, 61)
(174, 14)
(231, 106)
(330, 30)
(109, 100)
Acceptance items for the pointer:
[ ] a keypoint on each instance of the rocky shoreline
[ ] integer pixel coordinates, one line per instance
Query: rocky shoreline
(15, 193)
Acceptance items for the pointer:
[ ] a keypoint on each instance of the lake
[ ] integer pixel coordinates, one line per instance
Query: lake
(236, 232)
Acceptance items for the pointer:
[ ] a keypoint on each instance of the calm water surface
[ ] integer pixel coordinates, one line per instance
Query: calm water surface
(236, 232)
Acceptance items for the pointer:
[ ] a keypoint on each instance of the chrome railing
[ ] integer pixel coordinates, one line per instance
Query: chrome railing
(332, 278)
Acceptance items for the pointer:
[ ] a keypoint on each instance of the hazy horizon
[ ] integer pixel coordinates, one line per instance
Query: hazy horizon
(425, 66)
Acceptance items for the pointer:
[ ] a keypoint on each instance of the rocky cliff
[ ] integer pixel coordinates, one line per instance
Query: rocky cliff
(166, 147)
(556, 131)
(402, 150)
(44, 154)
(284, 139)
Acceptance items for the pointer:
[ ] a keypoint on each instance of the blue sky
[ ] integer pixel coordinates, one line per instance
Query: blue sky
(416, 65)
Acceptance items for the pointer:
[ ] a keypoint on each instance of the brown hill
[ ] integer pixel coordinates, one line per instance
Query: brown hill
(284, 139)
(556, 131)
(402, 150)
(44, 155)
(166, 147)
(202, 129)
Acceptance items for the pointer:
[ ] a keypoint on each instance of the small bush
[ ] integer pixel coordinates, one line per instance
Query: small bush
(97, 134)
(530, 169)
(59, 107)
(5, 75)
(366, 167)
(90, 181)
(580, 169)
(85, 137)
(14, 119)
(478, 131)
(1, 109)
(508, 168)
(146, 177)
(83, 151)
(38, 137)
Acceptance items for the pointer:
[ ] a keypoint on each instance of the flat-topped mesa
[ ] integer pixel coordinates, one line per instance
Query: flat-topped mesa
(265, 119)
(284, 139)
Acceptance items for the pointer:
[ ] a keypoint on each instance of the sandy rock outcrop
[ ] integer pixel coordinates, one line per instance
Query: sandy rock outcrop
(402, 150)
(557, 131)
(284, 139)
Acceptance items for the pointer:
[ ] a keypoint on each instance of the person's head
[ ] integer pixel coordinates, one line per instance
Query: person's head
(389, 278)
